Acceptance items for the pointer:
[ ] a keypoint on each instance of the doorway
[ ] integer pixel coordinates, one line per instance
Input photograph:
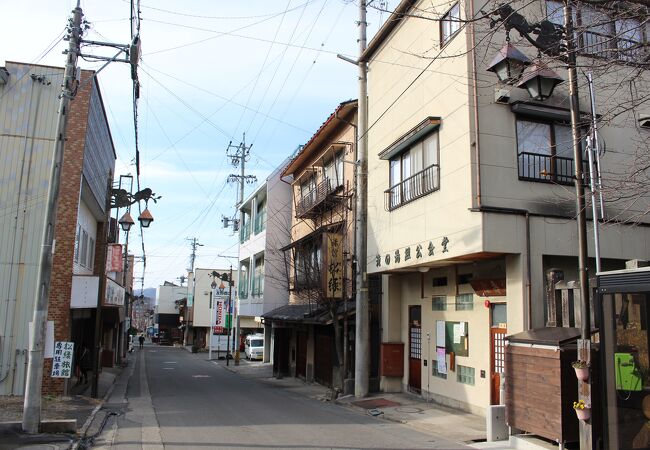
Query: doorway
(498, 330)
(415, 349)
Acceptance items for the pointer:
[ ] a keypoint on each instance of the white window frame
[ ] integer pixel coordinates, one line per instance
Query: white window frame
(449, 24)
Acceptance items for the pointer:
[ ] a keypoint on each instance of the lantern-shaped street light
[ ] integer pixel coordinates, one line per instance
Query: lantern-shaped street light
(509, 64)
(126, 222)
(539, 81)
(145, 218)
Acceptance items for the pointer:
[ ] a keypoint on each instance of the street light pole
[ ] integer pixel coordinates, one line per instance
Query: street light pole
(32, 404)
(584, 343)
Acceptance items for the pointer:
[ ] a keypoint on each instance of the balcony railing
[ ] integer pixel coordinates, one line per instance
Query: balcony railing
(545, 168)
(245, 232)
(260, 221)
(307, 204)
(413, 187)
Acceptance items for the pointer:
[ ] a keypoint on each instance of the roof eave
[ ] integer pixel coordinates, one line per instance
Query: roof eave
(393, 20)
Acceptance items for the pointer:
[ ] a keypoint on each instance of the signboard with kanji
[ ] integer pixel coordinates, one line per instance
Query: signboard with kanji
(62, 360)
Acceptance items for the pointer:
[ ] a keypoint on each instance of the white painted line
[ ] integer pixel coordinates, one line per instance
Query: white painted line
(200, 376)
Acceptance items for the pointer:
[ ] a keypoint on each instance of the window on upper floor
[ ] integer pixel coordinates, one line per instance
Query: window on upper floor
(91, 253)
(243, 279)
(260, 216)
(83, 255)
(307, 265)
(77, 244)
(245, 227)
(544, 151)
(414, 173)
(258, 276)
(449, 24)
(334, 171)
(605, 32)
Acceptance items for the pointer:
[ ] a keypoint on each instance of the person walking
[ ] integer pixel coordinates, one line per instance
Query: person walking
(83, 364)
(141, 340)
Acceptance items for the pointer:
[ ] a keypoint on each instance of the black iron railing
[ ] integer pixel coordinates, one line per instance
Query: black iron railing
(413, 187)
(313, 198)
(545, 168)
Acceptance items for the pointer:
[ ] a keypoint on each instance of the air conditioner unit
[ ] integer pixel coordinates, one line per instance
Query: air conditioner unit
(502, 96)
(644, 120)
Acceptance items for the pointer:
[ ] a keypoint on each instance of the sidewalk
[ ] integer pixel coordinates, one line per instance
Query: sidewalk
(79, 406)
(404, 408)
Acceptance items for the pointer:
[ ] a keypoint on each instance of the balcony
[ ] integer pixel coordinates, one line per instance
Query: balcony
(260, 222)
(413, 187)
(545, 168)
(311, 204)
(245, 232)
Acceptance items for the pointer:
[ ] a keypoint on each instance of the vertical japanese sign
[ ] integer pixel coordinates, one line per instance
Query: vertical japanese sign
(62, 360)
(114, 258)
(219, 319)
(333, 264)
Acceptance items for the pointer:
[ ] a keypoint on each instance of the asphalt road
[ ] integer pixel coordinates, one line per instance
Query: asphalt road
(177, 400)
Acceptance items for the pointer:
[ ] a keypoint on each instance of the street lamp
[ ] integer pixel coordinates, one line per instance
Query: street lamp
(539, 80)
(509, 63)
(145, 218)
(126, 222)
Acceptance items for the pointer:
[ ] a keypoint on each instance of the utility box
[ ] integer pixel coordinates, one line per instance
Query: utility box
(392, 359)
(495, 423)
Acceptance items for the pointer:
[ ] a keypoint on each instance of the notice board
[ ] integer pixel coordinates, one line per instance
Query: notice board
(457, 338)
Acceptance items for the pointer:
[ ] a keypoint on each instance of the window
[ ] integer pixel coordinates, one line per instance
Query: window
(245, 228)
(449, 24)
(260, 217)
(77, 244)
(83, 255)
(434, 370)
(258, 276)
(439, 303)
(307, 265)
(91, 254)
(334, 171)
(414, 172)
(544, 151)
(243, 280)
(464, 302)
(603, 32)
(465, 375)
(598, 34)
(630, 39)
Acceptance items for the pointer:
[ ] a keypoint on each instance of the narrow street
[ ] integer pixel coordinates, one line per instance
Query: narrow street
(178, 400)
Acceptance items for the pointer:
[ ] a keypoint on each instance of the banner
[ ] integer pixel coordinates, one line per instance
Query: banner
(114, 258)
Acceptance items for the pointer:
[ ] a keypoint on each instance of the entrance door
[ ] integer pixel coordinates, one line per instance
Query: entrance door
(415, 349)
(498, 332)
(301, 354)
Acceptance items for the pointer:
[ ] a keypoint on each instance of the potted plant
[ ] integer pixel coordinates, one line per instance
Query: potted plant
(582, 369)
(583, 411)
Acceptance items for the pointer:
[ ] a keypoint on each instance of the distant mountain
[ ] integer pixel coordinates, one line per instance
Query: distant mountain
(148, 292)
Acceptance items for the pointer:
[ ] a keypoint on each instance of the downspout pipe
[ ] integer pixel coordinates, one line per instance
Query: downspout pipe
(476, 200)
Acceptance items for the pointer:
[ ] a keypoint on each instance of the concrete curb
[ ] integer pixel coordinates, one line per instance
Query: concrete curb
(84, 428)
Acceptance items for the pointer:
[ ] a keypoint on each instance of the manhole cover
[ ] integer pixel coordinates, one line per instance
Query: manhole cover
(409, 409)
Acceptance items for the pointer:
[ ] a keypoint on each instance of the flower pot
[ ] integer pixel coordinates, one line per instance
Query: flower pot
(582, 373)
(583, 414)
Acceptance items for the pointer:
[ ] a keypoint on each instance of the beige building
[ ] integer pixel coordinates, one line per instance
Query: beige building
(311, 332)
(470, 190)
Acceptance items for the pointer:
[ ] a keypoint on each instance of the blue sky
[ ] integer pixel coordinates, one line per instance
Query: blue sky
(211, 71)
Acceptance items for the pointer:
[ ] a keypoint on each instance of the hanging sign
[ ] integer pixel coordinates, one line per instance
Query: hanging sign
(62, 360)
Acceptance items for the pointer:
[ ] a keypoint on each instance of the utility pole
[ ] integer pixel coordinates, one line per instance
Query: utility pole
(238, 155)
(362, 335)
(584, 343)
(32, 404)
(194, 244)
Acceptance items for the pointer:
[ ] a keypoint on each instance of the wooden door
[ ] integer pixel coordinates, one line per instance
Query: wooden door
(497, 362)
(323, 357)
(415, 349)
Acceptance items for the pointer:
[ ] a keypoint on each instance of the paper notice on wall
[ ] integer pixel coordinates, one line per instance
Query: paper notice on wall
(458, 332)
(440, 333)
(441, 360)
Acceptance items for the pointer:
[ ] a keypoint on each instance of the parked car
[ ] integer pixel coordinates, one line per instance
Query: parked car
(254, 346)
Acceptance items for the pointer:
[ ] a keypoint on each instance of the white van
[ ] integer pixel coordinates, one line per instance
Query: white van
(254, 348)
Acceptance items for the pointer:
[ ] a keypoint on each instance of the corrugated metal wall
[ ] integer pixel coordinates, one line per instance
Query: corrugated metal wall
(28, 108)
